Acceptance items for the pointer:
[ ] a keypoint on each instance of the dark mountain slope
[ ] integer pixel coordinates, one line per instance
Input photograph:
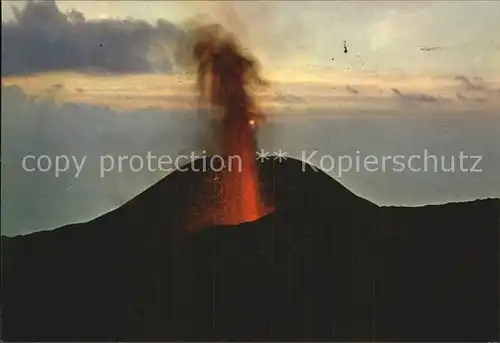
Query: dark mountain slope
(326, 265)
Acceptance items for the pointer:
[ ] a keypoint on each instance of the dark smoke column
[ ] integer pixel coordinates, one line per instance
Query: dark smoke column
(224, 75)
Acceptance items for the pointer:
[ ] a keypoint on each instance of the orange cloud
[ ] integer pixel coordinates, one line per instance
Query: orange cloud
(288, 90)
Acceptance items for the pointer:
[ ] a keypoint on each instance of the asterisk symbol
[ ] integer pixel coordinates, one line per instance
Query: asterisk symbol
(280, 155)
(262, 155)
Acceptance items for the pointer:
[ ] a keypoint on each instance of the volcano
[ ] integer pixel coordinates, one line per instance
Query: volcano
(326, 265)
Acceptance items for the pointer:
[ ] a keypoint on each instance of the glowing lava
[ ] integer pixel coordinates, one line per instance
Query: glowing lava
(224, 75)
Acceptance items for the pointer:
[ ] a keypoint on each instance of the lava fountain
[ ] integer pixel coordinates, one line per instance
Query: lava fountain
(225, 77)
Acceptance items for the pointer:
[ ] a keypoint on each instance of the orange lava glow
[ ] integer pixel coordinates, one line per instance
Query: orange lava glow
(224, 76)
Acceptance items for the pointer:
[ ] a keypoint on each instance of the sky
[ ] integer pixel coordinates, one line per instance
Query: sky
(436, 47)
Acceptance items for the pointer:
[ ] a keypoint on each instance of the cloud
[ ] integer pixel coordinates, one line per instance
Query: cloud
(469, 85)
(462, 97)
(351, 89)
(168, 91)
(44, 39)
(480, 99)
(288, 99)
(486, 90)
(414, 97)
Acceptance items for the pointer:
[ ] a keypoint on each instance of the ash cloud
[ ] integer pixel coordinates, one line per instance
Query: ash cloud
(42, 38)
(469, 85)
(414, 97)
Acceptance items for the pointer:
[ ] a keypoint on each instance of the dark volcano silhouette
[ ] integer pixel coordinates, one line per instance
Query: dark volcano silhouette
(325, 266)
